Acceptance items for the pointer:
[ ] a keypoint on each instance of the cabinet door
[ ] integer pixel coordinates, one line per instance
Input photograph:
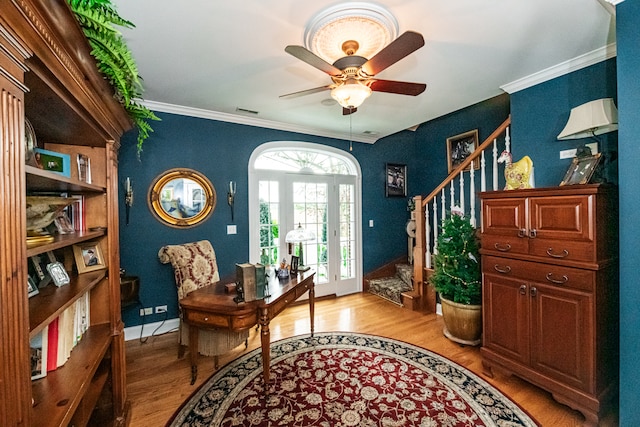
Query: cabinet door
(506, 317)
(562, 327)
(504, 225)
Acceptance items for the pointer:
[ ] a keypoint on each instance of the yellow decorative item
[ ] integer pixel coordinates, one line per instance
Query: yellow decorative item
(517, 175)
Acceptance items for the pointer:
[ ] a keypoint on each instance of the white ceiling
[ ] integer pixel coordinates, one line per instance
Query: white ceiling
(208, 58)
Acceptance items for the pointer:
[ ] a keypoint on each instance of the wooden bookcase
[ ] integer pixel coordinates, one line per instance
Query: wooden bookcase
(48, 76)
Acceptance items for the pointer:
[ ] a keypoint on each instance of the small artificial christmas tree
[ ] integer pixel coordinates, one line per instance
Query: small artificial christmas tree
(456, 274)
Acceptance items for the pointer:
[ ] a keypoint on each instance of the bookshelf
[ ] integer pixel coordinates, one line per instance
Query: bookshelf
(48, 76)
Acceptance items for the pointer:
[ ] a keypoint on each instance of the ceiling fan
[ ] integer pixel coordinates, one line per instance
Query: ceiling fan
(352, 75)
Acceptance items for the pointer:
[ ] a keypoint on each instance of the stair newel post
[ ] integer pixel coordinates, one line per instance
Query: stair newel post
(419, 248)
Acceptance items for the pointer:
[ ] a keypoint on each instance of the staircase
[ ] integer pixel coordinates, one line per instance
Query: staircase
(430, 210)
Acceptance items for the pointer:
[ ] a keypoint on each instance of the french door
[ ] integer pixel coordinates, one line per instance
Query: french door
(322, 204)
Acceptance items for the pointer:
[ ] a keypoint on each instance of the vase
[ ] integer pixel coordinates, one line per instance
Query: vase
(462, 322)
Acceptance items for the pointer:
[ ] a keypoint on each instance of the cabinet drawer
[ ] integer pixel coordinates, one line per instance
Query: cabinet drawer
(562, 277)
(503, 216)
(207, 319)
(562, 217)
(505, 244)
(563, 250)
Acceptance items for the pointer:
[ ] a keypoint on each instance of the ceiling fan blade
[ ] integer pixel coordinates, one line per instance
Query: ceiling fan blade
(306, 92)
(407, 43)
(347, 111)
(402, 88)
(312, 59)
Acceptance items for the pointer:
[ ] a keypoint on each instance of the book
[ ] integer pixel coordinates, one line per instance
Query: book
(52, 346)
(260, 281)
(246, 277)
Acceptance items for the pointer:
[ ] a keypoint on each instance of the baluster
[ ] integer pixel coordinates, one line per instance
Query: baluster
(472, 195)
(443, 205)
(507, 140)
(462, 192)
(427, 226)
(495, 165)
(483, 171)
(452, 192)
(435, 225)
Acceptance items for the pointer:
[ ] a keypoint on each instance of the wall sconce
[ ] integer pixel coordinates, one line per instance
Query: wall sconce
(128, 198)
(231, 194)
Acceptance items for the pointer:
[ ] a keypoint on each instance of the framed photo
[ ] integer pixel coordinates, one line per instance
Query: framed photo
(460, 147)
(88, 257)
(39, 268)
(58, 274)
(38, 346)
(396, 180)
(295, 263)
(52, 161)
(581, 170)
(84, 168)
(32, 288)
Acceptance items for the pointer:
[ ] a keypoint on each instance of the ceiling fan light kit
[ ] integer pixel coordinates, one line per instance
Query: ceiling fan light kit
(357, 31)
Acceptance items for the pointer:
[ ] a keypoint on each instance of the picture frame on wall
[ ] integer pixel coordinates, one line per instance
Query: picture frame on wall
(581, 170)
(459, 147)
(88, 257)
(395, 180)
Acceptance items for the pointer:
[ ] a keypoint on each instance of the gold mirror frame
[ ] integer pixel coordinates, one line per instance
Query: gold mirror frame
(166, 204)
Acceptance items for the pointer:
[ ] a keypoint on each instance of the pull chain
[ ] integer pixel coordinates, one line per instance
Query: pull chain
(350, 133)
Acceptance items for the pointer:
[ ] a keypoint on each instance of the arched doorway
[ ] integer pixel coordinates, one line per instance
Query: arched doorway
(316, 187)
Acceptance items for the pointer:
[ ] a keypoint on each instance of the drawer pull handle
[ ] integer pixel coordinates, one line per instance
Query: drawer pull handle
(533, 233)
(505, 270)
(523, 289)
(206, 319)
(522, 232)
(564, 254)
(502, 248)
(534, 291)
(564, 280)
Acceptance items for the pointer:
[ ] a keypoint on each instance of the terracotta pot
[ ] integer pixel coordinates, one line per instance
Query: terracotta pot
(462, 322)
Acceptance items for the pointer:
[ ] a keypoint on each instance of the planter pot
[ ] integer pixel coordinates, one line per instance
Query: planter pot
(462, 322)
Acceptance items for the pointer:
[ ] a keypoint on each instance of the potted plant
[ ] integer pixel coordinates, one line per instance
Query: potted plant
(457, 278)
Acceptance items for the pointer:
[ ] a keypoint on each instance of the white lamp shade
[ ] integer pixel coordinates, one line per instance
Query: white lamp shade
(351, 94)
(299, 235)
(590, 119)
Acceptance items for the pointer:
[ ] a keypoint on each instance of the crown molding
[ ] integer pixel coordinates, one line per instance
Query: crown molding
(251, 121)
(577, 63)
(614, 2)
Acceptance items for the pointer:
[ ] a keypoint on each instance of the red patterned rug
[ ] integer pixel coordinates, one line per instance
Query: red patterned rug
(347, 379)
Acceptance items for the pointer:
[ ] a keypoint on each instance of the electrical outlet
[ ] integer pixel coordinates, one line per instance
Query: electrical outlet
(568, 154)
(146, 311)
(161, 309)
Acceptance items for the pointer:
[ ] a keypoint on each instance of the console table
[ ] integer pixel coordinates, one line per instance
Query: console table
(211, 307)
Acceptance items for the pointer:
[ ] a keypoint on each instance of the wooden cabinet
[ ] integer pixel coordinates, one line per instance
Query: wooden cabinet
(550, 291)
(48, 76)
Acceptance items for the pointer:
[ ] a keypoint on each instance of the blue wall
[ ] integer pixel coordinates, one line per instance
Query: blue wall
(628, 36)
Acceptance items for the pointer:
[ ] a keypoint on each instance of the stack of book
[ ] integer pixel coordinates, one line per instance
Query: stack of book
(251, 278)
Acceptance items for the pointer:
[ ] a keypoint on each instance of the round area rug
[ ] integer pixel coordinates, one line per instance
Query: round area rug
(346, 379)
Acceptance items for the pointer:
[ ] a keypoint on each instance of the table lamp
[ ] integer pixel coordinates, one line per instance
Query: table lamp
(300, 235)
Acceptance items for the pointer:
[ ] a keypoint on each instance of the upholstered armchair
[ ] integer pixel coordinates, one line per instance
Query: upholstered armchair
(194, 265)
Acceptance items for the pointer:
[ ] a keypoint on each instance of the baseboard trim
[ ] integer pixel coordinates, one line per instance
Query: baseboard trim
(149, 329)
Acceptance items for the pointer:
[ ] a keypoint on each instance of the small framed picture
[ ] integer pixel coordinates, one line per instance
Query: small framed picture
(52, 161)
(40, 274)
(32, 288)
(38, 346)
(88, 257)
(581, 170)
(84, 168)
(58, 274)
(396, 180)
(295, 263)
(460, 147)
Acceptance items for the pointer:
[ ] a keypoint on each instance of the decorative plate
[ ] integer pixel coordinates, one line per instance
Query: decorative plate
(30, 143)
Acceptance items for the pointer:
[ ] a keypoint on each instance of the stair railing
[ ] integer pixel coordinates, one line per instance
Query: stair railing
(431, 210)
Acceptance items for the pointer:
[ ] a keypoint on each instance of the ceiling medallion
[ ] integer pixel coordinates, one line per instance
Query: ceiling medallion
(371, 27)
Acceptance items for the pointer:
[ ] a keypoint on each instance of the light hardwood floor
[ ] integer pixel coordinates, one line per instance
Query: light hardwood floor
(158, 382)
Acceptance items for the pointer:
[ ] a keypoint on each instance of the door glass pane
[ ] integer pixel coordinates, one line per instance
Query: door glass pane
(269, 221)
(347, 232)
(310, 203)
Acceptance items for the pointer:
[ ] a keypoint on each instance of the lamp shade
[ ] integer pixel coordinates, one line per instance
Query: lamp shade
(298, 235)
(590, 119)
(351, 94)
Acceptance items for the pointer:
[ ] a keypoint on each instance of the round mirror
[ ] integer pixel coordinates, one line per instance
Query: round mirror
(182, 197)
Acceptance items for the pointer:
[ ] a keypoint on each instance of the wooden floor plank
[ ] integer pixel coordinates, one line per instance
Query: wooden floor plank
(158, 382)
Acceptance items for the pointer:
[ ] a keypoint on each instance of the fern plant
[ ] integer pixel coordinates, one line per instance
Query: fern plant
(97, 19)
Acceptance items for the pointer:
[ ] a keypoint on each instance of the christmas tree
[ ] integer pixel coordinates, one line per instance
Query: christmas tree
(456, 267)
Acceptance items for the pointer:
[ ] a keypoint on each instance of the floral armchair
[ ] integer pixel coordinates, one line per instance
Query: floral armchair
(194, 265)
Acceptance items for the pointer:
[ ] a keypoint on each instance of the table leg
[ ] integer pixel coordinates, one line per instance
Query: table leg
(193, 352)
(312, 294)
(265, 336)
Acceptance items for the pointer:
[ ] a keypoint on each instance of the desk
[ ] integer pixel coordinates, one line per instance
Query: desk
(211, 308)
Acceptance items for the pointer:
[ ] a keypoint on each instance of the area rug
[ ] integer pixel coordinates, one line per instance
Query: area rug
(347, 379)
